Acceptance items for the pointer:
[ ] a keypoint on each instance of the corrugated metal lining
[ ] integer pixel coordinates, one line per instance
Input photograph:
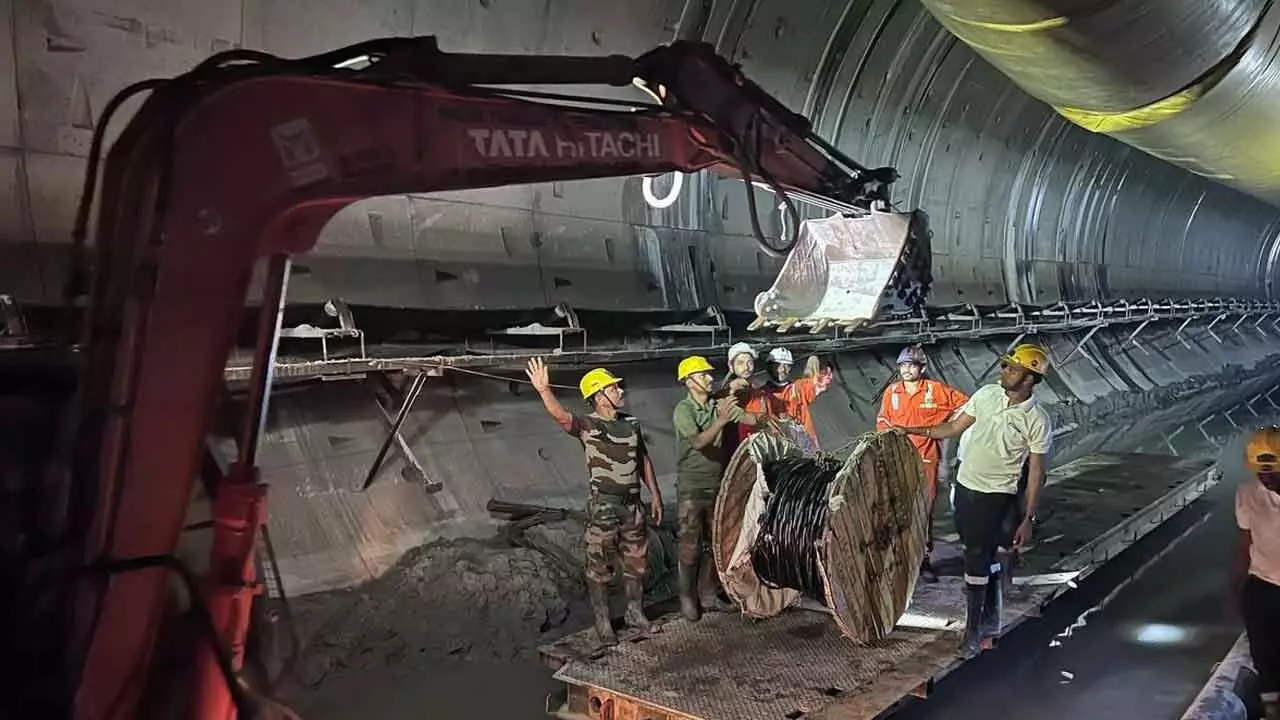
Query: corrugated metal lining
(1023, 205)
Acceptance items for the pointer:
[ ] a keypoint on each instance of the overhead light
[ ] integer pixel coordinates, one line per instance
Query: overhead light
(356, 62)
(657, 96)
(646, 189)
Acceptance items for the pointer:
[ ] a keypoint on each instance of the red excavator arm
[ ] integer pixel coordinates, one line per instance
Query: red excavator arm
(246, 158)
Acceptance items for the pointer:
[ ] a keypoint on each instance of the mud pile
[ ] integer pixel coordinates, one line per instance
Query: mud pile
(464, 600)
(459, 601)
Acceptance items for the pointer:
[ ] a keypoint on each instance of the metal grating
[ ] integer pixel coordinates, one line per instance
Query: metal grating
(797, 664)
(932, 325)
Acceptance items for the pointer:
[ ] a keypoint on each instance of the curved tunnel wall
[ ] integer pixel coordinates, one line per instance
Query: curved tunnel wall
(1195, 83)
(482, 439)
(1023, 205)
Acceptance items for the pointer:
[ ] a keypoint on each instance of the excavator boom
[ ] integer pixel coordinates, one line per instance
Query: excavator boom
(246, 158)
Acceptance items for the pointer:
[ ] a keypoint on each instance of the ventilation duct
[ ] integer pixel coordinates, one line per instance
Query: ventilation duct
(1193, 82)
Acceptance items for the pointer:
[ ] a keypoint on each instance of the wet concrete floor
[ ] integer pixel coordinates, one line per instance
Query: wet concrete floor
(1111, 649)
(1143, 654)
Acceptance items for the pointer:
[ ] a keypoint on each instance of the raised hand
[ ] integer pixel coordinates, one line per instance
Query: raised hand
(538, 375)
(812, 367)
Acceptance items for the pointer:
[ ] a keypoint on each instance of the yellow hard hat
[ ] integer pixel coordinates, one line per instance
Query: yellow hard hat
(1262, 453)
(596, 380)
(1029, 357)
(692, 364)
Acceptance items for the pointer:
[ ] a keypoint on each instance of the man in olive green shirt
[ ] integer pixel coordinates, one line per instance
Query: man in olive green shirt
(701, 455)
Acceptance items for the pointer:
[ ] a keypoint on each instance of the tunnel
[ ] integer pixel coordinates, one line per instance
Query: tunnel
(1143, 257)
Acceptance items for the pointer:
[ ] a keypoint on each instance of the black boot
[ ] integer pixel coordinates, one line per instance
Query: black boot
(688, 600)
(709, 587)
(971, 643)
(635, 616)
(927, 573)
(993, 606)
(599, 593)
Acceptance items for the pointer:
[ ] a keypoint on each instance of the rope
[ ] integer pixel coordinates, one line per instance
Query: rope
(491, 376)
(785, 554)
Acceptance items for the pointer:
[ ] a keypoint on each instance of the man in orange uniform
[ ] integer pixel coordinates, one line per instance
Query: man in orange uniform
(917, 401)
(782, 397)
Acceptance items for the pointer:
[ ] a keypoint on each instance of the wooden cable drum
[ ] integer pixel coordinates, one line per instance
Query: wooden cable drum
(791, 523)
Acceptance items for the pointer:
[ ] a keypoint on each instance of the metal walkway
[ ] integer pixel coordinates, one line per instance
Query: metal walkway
(1101, 505)
(1137, 640)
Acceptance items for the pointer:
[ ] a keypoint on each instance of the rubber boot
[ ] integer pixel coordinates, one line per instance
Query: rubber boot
(599, 593)
(709, 587)
(993, 606)
(635, 616)
(971, 642)
(927, 573)
(688, 600)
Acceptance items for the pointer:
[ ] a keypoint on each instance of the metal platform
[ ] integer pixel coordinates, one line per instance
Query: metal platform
(797, 665)
(929, 325)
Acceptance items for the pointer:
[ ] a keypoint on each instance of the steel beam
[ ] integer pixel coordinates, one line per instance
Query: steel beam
(413, 466)
(1080, 345)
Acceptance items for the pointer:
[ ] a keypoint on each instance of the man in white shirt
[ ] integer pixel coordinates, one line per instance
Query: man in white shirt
(1256, 570)
(1003, 426)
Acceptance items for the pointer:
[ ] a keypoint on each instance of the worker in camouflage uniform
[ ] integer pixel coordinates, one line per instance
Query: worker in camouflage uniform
(702, 440)
(617, 464)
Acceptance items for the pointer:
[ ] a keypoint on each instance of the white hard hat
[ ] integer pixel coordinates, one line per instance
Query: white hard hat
(740, 349)
(780, 355)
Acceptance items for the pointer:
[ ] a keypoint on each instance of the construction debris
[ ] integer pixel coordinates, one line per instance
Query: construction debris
(464, 600)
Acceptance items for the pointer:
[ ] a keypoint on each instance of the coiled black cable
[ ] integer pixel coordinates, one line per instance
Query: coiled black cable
(785, 553)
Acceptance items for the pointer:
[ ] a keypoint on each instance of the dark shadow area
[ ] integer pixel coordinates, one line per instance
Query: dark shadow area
(38, 534)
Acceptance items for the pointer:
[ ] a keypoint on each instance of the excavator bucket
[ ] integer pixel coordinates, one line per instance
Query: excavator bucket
(847, 272)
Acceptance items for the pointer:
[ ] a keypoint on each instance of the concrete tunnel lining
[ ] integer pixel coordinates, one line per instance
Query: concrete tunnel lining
(481, 440)
(1023, 208)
